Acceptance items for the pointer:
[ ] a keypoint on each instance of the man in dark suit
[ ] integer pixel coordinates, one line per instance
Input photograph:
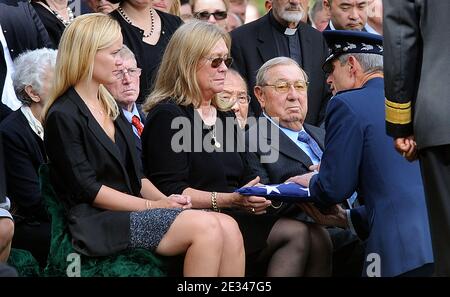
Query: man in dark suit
(359, 157)
(348, 15)
(125, 91)
(22, 30)
(281, 33)
(417, 43)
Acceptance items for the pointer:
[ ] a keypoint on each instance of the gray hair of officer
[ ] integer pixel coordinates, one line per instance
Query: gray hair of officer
(369, 62)
(29, 70)
(261, 78)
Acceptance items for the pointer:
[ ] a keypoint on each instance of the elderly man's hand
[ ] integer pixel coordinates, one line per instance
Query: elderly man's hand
(407, 147)
(335, 215)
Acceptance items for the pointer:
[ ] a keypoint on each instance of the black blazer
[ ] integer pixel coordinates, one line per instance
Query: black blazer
(4, 110)
(52, 24)
(25, 151)
(22, 27)
(3, 70)
(82, 159)
(253, 45)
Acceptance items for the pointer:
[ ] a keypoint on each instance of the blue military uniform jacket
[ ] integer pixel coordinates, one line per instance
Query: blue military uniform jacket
(360, 156)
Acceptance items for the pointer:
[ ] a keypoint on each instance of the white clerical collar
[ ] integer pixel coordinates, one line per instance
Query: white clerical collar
(35, 125)
(290, 31)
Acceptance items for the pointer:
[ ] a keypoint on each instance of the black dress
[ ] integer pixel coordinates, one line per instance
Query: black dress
(219, 170)
(52, 24)
(148, 56)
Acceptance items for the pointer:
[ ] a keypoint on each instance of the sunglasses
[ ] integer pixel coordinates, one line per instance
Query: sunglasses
(216, 62)
(204, 15)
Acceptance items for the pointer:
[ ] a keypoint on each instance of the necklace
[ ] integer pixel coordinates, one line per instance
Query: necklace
(61, 19)
(213, 137)
(100, 112)
(128, 20)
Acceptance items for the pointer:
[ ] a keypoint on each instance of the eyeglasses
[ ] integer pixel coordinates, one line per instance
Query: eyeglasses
(204, 15)
(284, 86)
(216, 62)
(133, 72)
(233, 97)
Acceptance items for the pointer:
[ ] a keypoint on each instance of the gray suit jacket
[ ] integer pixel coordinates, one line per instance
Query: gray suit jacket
(417, 70)
(291, 159)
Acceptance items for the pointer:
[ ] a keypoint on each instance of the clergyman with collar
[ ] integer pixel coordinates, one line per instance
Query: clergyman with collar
(282, 33)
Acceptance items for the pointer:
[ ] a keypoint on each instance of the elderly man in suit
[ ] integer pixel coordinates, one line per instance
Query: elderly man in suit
(125, 91)
(417, 91)
(281, 33)
(359, 157)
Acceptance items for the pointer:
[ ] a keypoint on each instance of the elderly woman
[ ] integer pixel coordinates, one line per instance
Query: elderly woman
(211, 11)
(95, 172)
(190, 148)
(125, 90)
(235, 95)
(146, 31)
(23, 136)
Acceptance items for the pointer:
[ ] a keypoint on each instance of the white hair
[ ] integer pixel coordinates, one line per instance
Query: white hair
(29, 70)
(261, 78)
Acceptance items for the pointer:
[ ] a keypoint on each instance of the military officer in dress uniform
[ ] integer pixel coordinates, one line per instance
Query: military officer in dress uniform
(359, 156)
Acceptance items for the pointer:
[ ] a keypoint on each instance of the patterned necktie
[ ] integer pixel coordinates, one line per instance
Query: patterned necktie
(136, 122)
(305, 138)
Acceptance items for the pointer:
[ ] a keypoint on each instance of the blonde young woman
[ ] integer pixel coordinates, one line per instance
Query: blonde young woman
(95, 172)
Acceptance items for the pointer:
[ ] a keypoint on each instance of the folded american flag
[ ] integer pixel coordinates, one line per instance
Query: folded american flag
(287, 192)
